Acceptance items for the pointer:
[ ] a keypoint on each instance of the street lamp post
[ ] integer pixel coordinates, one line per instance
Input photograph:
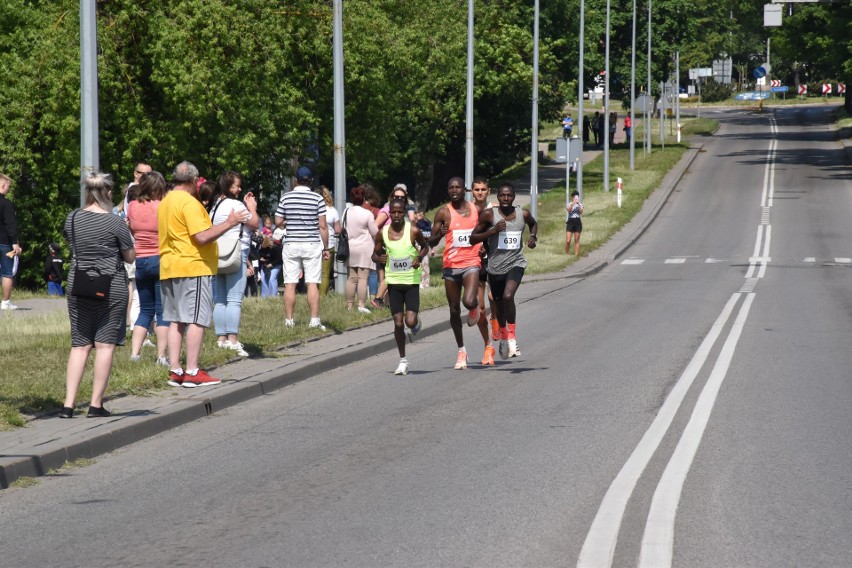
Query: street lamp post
(534, 157)
(468, 151)
(607, 103)
(339, 132)
(89, 149)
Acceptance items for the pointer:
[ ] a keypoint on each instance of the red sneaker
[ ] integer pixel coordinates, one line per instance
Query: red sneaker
(200, 379)
(175, 380)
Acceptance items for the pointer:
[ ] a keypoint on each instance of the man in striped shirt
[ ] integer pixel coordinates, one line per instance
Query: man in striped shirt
(305, 245)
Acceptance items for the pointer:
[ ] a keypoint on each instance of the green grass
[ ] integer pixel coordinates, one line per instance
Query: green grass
(34, 348)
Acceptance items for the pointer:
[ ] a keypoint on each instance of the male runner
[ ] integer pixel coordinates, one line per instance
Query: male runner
(455, 222)
(481, 191)
(503, 228)
(395, 249)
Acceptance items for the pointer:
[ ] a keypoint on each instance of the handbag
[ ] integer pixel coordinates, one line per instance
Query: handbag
(230, 250)
(343, 242)
(88, 282)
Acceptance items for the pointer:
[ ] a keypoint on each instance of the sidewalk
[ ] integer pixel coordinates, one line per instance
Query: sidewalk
(47, 443)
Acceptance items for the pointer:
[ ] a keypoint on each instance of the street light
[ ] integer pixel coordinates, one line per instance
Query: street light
(534, 158)
(339, 131)
(89, 150)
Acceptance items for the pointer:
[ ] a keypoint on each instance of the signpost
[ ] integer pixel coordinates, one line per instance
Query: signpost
(826, 88)
(841, 89)
(803, 90)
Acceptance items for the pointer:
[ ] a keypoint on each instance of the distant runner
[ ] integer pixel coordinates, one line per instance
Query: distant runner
(455, 222)
(481, 191)
(503, 228)
(395, 249)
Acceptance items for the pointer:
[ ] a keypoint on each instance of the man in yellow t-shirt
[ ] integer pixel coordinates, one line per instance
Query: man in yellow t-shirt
(188, 260)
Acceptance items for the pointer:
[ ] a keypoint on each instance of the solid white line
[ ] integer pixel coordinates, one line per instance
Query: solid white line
(599, 547)
(658, 541)
(675, 260)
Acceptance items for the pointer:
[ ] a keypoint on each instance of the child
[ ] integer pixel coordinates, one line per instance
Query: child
(53, 270)
(425, 226)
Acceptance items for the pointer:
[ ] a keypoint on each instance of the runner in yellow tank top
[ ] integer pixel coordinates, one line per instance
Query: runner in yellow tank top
(395, 249)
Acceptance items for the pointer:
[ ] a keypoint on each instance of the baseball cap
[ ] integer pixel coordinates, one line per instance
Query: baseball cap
(304, 172)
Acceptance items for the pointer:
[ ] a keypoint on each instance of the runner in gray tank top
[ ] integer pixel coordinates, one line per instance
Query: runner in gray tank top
(503, 228)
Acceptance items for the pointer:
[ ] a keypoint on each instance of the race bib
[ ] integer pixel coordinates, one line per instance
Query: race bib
(399, 264)
(509, 240)
(461, 238)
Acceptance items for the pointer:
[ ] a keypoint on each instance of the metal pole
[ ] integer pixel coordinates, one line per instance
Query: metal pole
(632, 143)
(581, 89)
(534, 160)
(468, 150)
(607, 102)
(339, 134)
(89, 150)
(677, 94)
(648, 112)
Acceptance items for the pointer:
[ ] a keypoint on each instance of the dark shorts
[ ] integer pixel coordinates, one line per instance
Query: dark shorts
(574, 226)
(404, 297)
(457, 274)
(483, 271)
(497, 282)
(7, 264)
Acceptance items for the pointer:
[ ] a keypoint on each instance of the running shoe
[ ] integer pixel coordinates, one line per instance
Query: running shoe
(472, 317)
(135, 357)
(238, 347)
(417, 327)
(164, 361)
(289, 323)
(364, 310)
(495, 330)
(176, 379)
(7, 305)
(316, 324)
(504, 349)
(199, 379)
(147, 343)
(488, 356)
(461, 360)
(513, 348)
(402, 369)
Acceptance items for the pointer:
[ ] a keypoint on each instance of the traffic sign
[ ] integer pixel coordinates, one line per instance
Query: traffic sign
(760, 72)
(826, 88)
(775, 83)
(803, 89)
(841, 88)
(783, 89)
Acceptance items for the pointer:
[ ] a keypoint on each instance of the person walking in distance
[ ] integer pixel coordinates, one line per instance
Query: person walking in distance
(305, 246)
(9, 247)
(454, 222)
(481, 191)
(574, 223)
(503, 228)
(188, 261)
(401, 247)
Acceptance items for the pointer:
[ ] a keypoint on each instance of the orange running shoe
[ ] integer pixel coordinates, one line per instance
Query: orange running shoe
(488, 356)
(495, 330)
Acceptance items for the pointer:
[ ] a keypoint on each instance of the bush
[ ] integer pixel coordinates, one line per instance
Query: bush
(711, 91)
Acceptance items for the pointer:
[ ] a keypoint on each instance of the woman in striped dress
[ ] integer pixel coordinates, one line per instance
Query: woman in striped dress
(98, 240)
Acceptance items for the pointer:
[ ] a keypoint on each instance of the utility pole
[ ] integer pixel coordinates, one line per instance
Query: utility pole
(534, 157)
(468, 149)
(581, 89)
(607, 103)
(339, 132)
(89, 148)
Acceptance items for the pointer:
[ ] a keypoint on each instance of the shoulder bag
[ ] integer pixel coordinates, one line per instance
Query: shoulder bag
(343, 241)
(88, 282)
(230, 250)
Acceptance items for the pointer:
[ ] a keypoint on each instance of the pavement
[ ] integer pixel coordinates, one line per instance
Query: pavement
(46, 443)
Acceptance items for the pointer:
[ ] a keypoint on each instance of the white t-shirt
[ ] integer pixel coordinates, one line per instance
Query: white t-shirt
(219, 214)
(331, 217)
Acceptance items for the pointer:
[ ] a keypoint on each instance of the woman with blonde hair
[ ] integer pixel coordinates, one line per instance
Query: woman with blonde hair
(332, 219)
(99, 243)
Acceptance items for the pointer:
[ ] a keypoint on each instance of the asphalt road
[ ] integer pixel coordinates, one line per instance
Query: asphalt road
(687, 406)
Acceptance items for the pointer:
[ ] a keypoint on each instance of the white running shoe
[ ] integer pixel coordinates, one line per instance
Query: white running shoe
(238, 347)
(7, 305)
(364, 310)
(164, 361)
(289, 323)
(316, 324)
(402, 369)
(147, 343)
(513, 348)
(461, 360)
(135, 357)
(222, 344)
(503, 349)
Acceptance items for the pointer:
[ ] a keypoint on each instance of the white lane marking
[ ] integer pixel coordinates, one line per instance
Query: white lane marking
(633, 261)
(599, 547)
(711, 260)
(658, 541)
(675, 260)
(810, 259)
(842, 260)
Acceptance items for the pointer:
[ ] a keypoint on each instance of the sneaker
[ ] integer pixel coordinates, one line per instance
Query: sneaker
(222, 344)
(164, 361)
(289, 323)
(472, 317)
(495, 330)
(135, 357)
(402, 369)
(316, 324)
(238, 347)
(176, 379)
(147, 343)
(461, 360)
(364, 310)
(488, 356)
(513, 348)
(7, 305)
(417, 327)
(199, 379)
(377, 303)
(504, 349)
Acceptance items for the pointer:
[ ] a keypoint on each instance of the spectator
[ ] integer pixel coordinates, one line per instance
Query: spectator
(372, 203)
(99, 241)
(567, 126)
(270, 263)
(188, 261)
(54, 271)
(425, 226)
(628, 124)
(253, 264)
(587, 127)
(142, 220)
(613, 123)
(229, 289)
(332, 219)
(361, 228)
(9, 247)
(305, 246)
(597, 128)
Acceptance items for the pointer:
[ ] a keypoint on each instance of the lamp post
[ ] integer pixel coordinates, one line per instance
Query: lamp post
(648, 86)
(339, 131)
(89, 150)
(580, 88)
(534, 158)
(633, 91)
(468, 150)
(607, 102)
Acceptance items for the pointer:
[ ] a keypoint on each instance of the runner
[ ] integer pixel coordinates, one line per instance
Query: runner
(395, 249)
(503, 228)
(481, 191)
(455, 223)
